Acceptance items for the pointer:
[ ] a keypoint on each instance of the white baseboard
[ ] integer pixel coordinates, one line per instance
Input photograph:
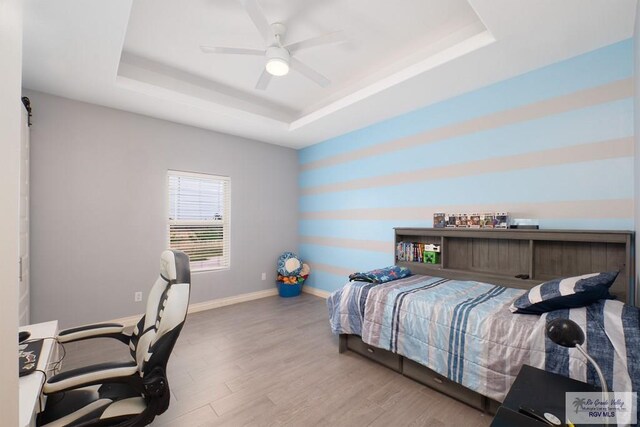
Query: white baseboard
(317, 292)
(236, 299)
(208, 305)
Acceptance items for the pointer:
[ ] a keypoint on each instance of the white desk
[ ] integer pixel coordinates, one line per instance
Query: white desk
(30, 385)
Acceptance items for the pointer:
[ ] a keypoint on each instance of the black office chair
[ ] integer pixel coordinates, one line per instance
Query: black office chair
(130, 393)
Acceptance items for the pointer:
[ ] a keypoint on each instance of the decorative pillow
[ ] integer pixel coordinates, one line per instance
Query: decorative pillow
(381, 275)
(289, 264)
(569, 292)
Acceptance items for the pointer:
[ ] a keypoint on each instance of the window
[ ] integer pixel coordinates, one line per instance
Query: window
(199, 216)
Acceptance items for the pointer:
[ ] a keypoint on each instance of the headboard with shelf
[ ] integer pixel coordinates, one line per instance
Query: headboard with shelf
(498, 256)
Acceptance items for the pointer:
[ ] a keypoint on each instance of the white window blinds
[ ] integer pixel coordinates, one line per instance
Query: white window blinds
(199, 218)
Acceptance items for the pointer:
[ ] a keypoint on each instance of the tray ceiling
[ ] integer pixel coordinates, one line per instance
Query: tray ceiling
(144, 56)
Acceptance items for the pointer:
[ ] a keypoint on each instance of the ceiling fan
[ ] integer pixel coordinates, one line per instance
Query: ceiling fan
(279, 57)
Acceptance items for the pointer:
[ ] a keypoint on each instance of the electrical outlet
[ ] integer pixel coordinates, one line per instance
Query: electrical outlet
(264, 276)
(137, 297)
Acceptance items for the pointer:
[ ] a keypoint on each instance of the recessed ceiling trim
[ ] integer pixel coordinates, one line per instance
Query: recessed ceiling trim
(156, 79)
(178, 83)
(469, 45)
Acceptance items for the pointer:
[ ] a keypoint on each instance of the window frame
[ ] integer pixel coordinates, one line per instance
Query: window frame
(200, 266)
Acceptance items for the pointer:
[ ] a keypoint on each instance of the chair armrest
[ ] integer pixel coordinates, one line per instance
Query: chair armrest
(90, 375)
(98, 330)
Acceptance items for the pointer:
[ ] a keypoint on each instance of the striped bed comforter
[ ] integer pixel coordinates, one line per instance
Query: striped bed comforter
(465, 331)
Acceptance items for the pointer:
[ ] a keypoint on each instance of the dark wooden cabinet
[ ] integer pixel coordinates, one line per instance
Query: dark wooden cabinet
(499, 255)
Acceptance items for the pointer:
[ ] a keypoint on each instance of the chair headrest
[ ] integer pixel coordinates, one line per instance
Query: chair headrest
(174, 266)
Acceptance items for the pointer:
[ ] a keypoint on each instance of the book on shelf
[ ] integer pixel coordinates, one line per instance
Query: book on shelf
(412, 251)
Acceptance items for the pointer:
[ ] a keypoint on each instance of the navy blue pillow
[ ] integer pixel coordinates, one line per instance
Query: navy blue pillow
(569, 292)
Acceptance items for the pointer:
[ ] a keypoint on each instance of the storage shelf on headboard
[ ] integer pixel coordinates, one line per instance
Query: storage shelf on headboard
(497, 255)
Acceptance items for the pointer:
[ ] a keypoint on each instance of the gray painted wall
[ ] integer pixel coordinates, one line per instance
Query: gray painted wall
(636, 110)
(98, 206)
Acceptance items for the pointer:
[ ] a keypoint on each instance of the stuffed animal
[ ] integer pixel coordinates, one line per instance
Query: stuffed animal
(289, 264)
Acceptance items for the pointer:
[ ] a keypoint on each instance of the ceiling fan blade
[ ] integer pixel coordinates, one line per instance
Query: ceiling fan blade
(309, 73)
(259, 19)
(231, 50)
(329, 38)
(264, 80)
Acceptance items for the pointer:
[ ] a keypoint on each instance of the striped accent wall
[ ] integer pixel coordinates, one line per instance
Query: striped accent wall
(555, 144)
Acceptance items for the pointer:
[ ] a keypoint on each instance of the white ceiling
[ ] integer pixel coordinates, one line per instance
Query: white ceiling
(380, 33)
(144, 56)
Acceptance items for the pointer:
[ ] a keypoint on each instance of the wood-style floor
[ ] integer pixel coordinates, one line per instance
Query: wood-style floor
(274, 361)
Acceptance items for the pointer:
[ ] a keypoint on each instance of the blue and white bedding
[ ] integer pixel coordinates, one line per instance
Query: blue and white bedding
(464, 330)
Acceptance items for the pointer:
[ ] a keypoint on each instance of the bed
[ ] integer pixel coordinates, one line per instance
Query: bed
(460, 337)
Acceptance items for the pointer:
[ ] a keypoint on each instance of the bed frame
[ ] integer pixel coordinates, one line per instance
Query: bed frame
(498, 256)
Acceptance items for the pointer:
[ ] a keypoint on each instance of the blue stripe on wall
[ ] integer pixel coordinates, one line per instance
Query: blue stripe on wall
(325, 281)
(345, 258)
(603, 179)
(359, 230)
(383, 230)
(588, 224)
(599, 123)
(595, 68)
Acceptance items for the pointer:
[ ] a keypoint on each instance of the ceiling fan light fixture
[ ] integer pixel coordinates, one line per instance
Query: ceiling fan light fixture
(277, 61)
(277, 67)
